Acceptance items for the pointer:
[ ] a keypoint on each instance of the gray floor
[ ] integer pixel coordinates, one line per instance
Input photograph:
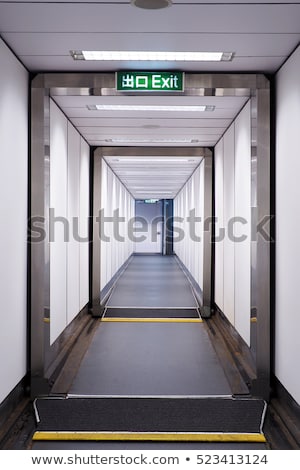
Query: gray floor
(153, 281)
(150, 359)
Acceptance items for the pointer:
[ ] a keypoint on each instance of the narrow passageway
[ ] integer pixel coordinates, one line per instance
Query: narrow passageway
(153, 283)
(148, 268)
(151, 340)
(150, 377)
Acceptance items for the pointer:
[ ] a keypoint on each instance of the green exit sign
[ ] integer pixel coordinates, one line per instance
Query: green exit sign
(150, 81)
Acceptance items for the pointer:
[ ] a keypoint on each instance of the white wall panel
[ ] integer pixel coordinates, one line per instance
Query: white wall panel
(13, 215)
(73, 218)
(228, 214)
(219, 212)
(58, 203)
(69, 198)
(287, 351)
(191, 203)
(242, 256)
(200, 225)
(84, 210)
(114, 251)
(233, 210)
(189, 250)
(108, 228)
(184, 214)
(195, 191)
(104, 196)
(122, 197)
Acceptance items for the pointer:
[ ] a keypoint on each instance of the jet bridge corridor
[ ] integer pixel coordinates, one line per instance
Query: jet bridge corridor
(149, 188)
(150, 373)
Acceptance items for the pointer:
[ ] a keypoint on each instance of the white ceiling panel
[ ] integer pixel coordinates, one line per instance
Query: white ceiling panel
(74, 17)
(66, 63)
(159, 143)
(101, 130)
(145, 136)
(50, 44)
(222, 102)
(83, 113)
(78, 1)
(114, 128)
(200, 122)
(260, 34)
(175, 2)
(158, 177)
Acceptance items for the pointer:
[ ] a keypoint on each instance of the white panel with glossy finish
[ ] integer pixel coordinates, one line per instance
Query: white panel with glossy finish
(13, 215)
(104, 196)
(287, 356)
(219, 212)
(73, 218)
(228, 214)
(69, 198)
(58, 203)
(108, 228)
(114, 250)
(84, 211)
(242, 228)
(188, 244)
(200, 225)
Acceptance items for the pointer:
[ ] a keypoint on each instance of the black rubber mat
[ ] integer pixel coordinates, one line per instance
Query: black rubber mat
(138, 415)
(151, 313)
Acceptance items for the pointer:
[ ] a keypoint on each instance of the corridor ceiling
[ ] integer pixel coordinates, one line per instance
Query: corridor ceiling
(261, 35)
(151, 128)
(158, 177)
(41, 33)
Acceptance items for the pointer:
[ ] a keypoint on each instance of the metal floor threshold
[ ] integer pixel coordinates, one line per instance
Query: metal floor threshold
(204, 419)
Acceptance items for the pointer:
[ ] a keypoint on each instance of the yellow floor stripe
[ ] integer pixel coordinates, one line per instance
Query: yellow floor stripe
(123, 436)
(152, 320)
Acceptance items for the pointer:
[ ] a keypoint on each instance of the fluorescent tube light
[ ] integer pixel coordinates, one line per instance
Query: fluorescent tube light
(142, 107)
(152, 56)
(153, 192)
(152, 160)
(153, 141)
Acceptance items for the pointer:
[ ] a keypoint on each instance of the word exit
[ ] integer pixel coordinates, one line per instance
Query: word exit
(150, 81)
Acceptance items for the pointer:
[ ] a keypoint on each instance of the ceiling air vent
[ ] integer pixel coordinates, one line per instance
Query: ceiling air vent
(151, 4)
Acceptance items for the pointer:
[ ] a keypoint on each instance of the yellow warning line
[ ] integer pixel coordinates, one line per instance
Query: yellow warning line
(151, 320)
(126, 436)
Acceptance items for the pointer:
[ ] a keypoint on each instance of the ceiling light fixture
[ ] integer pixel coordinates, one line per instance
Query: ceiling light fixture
(152, 159)
(152, 56)
(151, 4)
(149, 141)
(150, 191)
(127, 107)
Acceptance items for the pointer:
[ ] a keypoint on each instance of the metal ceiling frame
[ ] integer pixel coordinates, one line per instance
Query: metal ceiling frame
(255, 86)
